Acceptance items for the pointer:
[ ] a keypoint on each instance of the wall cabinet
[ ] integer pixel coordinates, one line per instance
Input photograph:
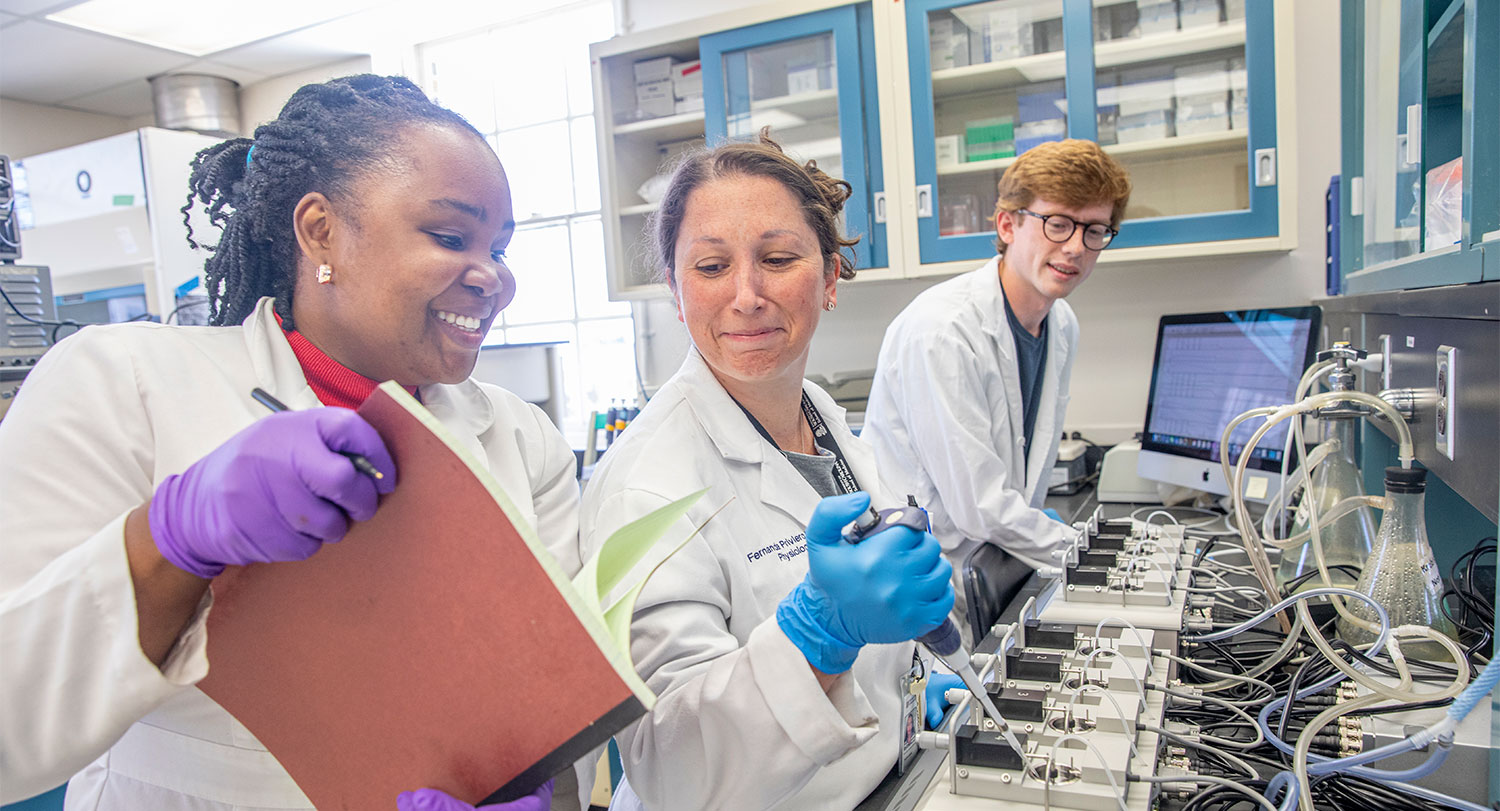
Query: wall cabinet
(922, 105)
(1421, 144)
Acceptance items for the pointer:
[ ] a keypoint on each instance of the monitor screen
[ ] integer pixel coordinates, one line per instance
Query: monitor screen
(111, 306)
(1211, 367)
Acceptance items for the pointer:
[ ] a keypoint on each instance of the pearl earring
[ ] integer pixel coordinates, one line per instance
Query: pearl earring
(325, 273)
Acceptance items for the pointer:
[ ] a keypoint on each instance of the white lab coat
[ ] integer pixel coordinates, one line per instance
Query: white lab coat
(105, 416)
(740, 721)
(945, 419)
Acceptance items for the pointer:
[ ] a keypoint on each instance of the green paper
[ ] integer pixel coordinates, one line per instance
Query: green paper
(624, 548)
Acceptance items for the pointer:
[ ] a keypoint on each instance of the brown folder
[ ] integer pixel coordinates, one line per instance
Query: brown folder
(437, 645)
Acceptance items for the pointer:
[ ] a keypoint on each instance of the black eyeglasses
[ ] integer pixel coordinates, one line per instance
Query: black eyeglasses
(1060, 227)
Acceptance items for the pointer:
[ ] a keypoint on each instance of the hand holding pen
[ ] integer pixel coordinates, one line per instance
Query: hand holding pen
(276, 491)
(361, 464)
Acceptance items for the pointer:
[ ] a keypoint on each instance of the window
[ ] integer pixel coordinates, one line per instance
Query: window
(526, 85)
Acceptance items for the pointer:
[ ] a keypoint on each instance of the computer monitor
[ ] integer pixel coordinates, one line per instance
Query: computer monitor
(1209, 368)
(109, 306)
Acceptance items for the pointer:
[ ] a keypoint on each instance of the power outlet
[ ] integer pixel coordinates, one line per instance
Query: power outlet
(1447, 398)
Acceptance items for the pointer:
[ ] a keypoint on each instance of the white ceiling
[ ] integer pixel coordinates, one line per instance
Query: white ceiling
(45, 62)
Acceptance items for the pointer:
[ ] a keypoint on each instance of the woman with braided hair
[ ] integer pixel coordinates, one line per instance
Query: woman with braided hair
(364, 237)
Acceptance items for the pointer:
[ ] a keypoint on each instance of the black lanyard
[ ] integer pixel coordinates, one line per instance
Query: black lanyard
(843, 477)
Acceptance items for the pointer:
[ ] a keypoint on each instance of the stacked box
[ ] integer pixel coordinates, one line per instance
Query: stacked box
(990, 138)
(653, 87)
(1157, 16)
(949, 150)
(948, 42)
(1197, 13)
(1120, 20)
(1034, 133)
(1202, 93)
(1041, 115)
(1239, 97)
(1148, 126)
(1145, 95)
(1234, 9)
(1047, 35)
(996, 32)
(687, 86)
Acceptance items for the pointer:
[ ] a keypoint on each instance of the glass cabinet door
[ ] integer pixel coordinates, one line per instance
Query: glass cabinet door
(800, 77)
(1172, 105)
(1414, 137)
(1182, 92)
(988, 84)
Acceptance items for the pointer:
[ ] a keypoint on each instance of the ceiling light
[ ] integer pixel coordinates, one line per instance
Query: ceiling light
(196, 27)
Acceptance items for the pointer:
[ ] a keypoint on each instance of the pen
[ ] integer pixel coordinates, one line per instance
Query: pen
(361, 464)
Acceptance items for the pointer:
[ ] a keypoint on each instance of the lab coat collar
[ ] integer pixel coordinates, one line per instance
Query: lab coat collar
(989, 299)
(463, 408)
(736, 440)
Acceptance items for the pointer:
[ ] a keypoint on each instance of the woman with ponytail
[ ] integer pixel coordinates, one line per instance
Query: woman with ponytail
(363, 240)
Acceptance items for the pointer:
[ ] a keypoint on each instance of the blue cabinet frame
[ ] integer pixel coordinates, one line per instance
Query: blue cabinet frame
(1479, 121)
(1261, 219)
(859, 130)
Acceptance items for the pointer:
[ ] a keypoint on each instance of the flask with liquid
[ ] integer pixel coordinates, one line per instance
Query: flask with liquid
(1401, 575)
(1347, 541)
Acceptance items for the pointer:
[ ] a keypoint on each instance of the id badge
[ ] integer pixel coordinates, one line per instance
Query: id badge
(913, 689)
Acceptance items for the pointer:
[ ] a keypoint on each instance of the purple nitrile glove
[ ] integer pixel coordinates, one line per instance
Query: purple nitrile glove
(430, 799)
(277, 490)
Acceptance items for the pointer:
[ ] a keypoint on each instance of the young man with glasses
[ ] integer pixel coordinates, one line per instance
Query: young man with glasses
(972, 381)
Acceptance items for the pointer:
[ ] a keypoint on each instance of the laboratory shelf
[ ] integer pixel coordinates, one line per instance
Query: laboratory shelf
(1043, 67)
(1177, 147)
(666, 128)
(813, 104)
(642, 208)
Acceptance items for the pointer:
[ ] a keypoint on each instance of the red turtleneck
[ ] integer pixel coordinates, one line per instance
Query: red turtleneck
(333, 382)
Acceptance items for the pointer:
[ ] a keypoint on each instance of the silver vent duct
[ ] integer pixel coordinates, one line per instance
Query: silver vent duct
(196, 101)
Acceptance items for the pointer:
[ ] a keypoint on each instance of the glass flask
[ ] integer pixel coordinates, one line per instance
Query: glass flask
(1402, 575)
(1347, 541)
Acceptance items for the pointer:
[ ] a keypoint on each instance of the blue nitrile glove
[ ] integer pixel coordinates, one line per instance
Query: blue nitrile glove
(1051, 513)
(936, 693)
(430, 799)
(891, 587)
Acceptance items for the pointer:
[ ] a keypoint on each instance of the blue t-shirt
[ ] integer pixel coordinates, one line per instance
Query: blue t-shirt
(1031, 359)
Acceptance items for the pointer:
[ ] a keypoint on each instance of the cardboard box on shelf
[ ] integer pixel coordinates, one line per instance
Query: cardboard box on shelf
(1147, 126)
(1157, 16)
(1041, 101)
(801, 78)
(989, 138)
(687, 79)
(692, 105)
(949, 149)
(1047, 35)
(948, 43)
(1033, 133)
(1197, 13)
(997, 31)
(654, 70)
(654, 99)
(1145, 89)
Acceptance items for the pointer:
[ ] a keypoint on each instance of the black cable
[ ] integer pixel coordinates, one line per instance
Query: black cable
(1297, 582)
(55, 325)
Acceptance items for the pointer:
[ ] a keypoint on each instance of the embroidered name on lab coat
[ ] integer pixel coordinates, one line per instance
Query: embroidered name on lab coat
(784, 549)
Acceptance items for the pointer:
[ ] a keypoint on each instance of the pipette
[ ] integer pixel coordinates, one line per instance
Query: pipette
(944, 641)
